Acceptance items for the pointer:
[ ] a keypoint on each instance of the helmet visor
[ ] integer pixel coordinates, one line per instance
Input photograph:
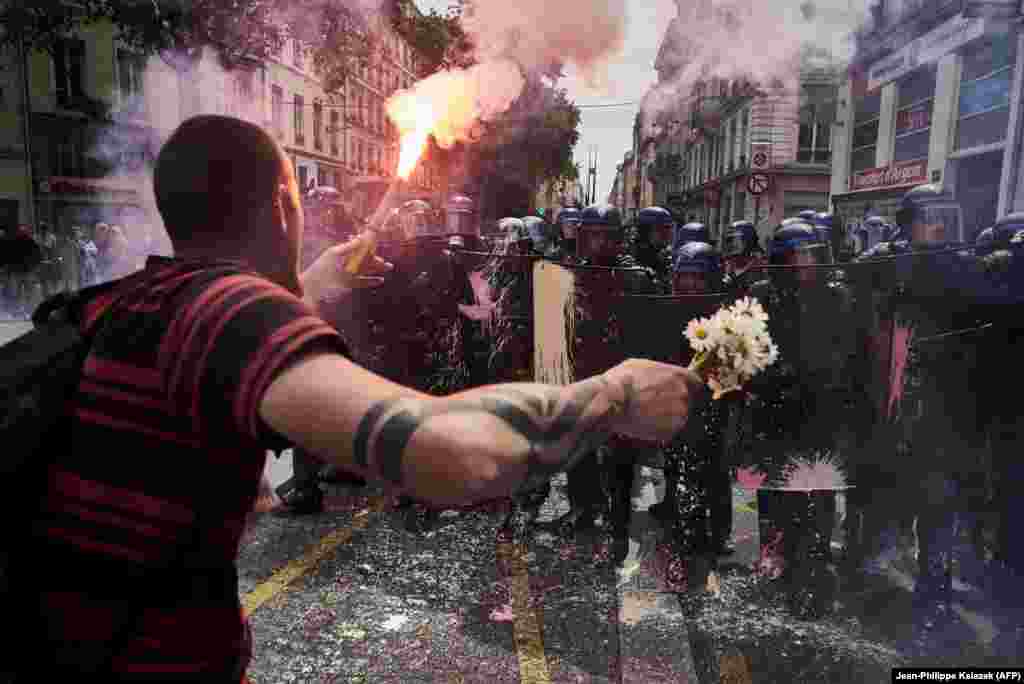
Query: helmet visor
(812, 254)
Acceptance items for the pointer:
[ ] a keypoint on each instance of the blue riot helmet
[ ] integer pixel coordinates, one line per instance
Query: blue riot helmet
(600, 233)
(929, 216)
(696, 268)
(516, 237)
(1005, 229)
(690, 232)
(539, 232)
(654, 225)
(808, 215)
(741, 239)
(601, 216)
(877, 231)
(794, 237)
(569, 222)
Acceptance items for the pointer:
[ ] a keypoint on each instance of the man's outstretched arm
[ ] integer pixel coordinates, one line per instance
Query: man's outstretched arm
(482, 443)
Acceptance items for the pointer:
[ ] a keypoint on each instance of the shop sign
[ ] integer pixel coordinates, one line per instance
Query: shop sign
(925, 49)
(894, 175)
(914, 119)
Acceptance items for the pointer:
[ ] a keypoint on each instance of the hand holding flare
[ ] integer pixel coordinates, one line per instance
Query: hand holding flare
(732, 346)
(416, 125)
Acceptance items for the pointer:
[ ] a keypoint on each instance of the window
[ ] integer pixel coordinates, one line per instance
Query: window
(318, 124)
(916, 95)
(130, 68)
(303, 178)
(277, 109)
(300, 104)
(321, 177)
(359, 156)
(817, 111)
(987, 75)
(335, 125)
(297, 53)
(68, 69)
(865, 131)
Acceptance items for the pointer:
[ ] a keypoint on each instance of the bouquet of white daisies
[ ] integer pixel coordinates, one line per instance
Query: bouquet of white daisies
(732, 346)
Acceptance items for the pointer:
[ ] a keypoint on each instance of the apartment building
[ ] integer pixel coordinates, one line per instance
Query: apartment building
(933, 96)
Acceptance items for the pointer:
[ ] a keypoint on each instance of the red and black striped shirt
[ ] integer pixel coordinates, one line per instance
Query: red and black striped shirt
(165, 430)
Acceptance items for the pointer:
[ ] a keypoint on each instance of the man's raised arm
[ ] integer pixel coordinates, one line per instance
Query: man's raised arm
(483, 443)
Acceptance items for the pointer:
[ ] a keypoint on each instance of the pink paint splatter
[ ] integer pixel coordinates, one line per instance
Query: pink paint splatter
(771, 563)
(750, 478)
(901, 343)
(503, 614)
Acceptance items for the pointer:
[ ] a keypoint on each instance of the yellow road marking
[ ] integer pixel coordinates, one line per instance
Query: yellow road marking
(734, 669)
(533, 664)
(298, 567)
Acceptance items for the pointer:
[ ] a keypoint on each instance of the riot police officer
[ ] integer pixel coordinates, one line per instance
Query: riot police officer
(569, 223)
(699, 504)
(809, 318)
(652, 244)
(944, 298)
(606, 273)
(742, 252)
(689, 232)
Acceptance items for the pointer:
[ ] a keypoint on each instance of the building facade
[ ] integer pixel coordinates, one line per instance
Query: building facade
(718, 133)
(933, 96)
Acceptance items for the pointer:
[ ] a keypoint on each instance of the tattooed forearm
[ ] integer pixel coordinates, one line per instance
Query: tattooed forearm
(558, 426)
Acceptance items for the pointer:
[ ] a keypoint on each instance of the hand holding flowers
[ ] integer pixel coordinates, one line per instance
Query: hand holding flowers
(732, 346)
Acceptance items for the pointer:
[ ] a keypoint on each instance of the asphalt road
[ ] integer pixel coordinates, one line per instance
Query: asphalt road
(352, 595)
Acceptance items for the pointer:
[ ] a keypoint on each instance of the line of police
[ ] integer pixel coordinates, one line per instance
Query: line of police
(886, 361)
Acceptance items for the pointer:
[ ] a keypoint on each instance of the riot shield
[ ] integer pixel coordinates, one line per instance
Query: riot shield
(554, 321)
(653, 325)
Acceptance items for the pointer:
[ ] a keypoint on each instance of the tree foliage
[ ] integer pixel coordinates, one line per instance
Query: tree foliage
(438, 39)
(239, 31)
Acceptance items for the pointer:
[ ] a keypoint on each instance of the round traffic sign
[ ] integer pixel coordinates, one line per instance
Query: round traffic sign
(757, 183)
(760, 159)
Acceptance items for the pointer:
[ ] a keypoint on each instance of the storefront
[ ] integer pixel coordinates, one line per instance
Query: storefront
(936, 110)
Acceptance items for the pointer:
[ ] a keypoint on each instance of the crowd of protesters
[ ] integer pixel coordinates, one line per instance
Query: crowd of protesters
(37, 264)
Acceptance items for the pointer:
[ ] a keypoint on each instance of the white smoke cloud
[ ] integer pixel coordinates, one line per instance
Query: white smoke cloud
(173, 90)
(758, 40)
(512, 40)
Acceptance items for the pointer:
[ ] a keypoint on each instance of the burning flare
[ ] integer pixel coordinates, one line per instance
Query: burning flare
(415, 120)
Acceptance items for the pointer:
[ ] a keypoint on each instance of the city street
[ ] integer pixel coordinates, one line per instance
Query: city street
(353, 596)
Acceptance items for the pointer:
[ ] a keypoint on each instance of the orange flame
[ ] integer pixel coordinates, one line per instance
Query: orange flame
(415, 120)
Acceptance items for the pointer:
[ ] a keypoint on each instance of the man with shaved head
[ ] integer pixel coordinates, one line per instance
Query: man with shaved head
(201, 363)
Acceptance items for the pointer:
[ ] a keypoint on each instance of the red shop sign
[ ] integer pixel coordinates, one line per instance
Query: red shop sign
(900, 173)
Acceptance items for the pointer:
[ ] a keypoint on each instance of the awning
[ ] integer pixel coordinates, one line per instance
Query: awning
(73, 185)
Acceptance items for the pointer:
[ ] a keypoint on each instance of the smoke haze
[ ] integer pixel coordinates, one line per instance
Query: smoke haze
(512, 40)
(759, 40)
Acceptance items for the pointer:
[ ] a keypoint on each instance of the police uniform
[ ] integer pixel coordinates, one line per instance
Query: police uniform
(802, 398)
(742, 256)
(698, 468)
(650, 255)
(599, 347)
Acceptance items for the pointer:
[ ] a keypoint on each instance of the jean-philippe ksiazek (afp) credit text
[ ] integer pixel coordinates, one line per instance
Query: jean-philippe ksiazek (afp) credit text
(958, 674)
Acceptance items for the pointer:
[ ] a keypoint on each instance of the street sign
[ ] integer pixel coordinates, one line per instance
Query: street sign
(758, 183)
(760, 156)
